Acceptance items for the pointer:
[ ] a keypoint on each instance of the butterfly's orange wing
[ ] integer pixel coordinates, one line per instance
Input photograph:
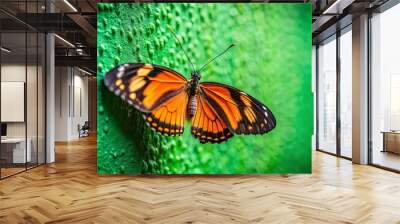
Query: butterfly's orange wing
(145, 86)
(207, 126)
(241, 113)
(159, 92)
(169, 118)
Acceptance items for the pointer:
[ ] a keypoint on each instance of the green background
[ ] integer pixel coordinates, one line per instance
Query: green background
(271, 61)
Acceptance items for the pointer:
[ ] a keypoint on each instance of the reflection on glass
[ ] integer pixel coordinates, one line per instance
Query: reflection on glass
(346, 94)
(31, 101)
(314, 84)
(41, 99)
(22, 90)
(386, 89)
(14, 153)
(327, 96)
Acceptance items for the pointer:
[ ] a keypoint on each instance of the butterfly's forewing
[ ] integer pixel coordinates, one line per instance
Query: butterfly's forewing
(145, 86)
(169, 118)
(206, 124)
(242, 113)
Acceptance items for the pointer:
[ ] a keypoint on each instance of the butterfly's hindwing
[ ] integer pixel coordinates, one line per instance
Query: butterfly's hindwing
(145, 86)
(169, 118)
(207, 126)
(242, 113)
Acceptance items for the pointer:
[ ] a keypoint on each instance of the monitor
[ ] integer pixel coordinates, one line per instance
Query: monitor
(3, 129)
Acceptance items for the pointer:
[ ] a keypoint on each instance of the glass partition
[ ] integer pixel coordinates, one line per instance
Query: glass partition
(22, 101)
(32, 97)
(327, 95)
(346, 93)
(14, 153)
(385, 89)
(41, 96)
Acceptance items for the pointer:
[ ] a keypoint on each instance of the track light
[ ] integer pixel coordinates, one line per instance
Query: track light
(84, 71)
(65, 41)
(5, 50)
(337, 7)
(70, 5)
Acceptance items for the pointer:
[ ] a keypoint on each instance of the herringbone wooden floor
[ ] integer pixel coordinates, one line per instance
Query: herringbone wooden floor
(70, 191)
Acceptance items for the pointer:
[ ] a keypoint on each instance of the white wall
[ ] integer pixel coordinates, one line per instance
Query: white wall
(61, 103)
(33, 127)
(71, 102)
(16, 73)
(80, 110)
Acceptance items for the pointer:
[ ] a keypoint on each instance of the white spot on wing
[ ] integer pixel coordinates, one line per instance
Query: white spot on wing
(120, 73)
(121, 68)
(266, 114)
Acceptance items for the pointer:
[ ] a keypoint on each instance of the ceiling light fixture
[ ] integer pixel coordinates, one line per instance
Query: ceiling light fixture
(64, 40)
(5, 50)
(84, 71)
(337, 7)
(70, 5)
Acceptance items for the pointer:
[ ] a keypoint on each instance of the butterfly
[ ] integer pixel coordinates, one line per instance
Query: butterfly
(166, 99)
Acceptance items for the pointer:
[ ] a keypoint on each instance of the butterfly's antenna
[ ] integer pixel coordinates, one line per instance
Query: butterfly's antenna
(232, 45)
(180, 44)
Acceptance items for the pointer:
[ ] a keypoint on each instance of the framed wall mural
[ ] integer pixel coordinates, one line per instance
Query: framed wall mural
(190, 88)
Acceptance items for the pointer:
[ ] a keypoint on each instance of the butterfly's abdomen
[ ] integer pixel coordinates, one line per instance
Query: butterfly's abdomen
(192, 106)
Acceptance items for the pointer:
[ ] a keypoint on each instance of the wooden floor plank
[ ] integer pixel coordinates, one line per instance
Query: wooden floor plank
(70, 191)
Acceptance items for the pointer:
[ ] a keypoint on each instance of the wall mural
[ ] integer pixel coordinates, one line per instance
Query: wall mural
(204, 88)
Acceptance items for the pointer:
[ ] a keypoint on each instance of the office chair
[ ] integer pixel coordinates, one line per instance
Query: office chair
(84, 130)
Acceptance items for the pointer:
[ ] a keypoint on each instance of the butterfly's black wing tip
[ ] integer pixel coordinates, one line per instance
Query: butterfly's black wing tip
(270, 118)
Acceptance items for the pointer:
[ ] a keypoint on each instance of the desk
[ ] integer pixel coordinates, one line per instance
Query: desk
(391, 141)
(18, 150)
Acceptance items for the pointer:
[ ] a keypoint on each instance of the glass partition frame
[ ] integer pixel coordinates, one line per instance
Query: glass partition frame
(34, 63)
(336, 151)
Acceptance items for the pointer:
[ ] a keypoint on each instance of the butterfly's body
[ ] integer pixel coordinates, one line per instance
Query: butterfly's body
(193, 90)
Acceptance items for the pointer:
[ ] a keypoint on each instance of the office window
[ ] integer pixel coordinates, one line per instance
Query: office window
(327, 95)
(346, 93)
(385, 89)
